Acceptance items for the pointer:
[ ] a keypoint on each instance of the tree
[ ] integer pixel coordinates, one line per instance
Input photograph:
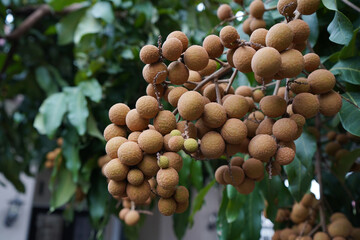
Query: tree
(64, 64)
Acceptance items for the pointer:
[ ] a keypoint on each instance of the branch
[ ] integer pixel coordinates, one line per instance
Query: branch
(277, 86)
(232, 78)
(353, 6)
(228, 20)
(270, 9)
(349, 101)
(217, 90)
(262, 86)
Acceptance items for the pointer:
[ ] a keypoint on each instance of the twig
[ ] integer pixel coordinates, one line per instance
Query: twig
(270, 9)
(262, 86)
(277, 86)
(219, 61)
(287, 89)
(132, 205)
(231, 81)
(353, 6)
(349, 101)
(217, 91)
(145, 212)
(228, 20)
(314, 230)
(156, 90)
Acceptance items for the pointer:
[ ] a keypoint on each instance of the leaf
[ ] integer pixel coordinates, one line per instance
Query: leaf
(78, 110)
(349, 113)
(222, 226)
(87, 25)
(184, 173)
(313, 23)
(70, 150)
(340, 29)
(45, 81)
(348, 70)
(92, 89)
(330, 4)
(50, 114)
(60, 5)
(241, 80)
(196, 174)
(104, 11)
(341, 167)
(64, 190)
(93, 130)
(181, 222)
(67, 26)
(199, 200)
(234, 205)
(305, 149)
(97, 198)
(231, 191)
(350, 50)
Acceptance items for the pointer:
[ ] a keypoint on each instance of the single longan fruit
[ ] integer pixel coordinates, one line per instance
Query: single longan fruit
(172, 49)
(292, 63)
(285, 129)
(256, 24)
(224, 12)
(150, 91)
(176, 143)
(312, 62)
(332, 147)
(130, 153)
(113, 130)
(253, 168)
(233, 175)
(149, 166)
(252, 124)
(132, 218)
(321, 236)
(212, 145)
(330, 103)
(116, 188)
(209, 69)
(286, 7)
(181, 194)
(262, 147)
(210, 92)
(123, 213)
(234, 131)
(246, 187)
(321, 81)
(213, 46)
(258, 36)
(182, 207)
(307, 199)
(164, 122)
(113, 145)
(155, 72)
(280, 36)
(300, 85)
(196, 58)
(147, 107)
(257, 9)
(265, 127)
(139, 194)
(135, 122)
(165, 193)
(149, 54)
(134, 136)
(167, 178)
(299, 213)
(219, 174)
(191, 145)
(299, 119)
(236, 106)
(300, 29)
(266, 62)
(242, 58)
(135, 177)
(273, 106)
(258, 94)
(331, 135)
(115, 170)
(307, 7)
(263, 81)
(306, 104)
(244, 91)
(201, 128)
(195, 77)
(286, 233)
(191, 105)
(340, 228)
(118, 112)
(167, 206)
(178, 73)
(237, 161)
(342, 138)
(175, 160)
(191, 129)
(175, 94)
(281, 93)
(229, 36)
(181, 36)
(150, 141)
(246, 25)
(214, 115)
(284, 156)
(337, 215)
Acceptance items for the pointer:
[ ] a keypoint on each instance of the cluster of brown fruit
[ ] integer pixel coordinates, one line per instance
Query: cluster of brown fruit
(303, 217)
(52, 155)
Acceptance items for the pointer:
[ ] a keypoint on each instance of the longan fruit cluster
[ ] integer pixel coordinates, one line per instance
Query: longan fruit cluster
(52, 155)
(255, 19)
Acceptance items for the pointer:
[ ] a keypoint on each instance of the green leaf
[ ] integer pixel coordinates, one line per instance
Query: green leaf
(184, 173)
(92, 89)
(78, 110)
(67, 26)
(50, 114)
(340, 29)
(241, 80)
(181, 222)
(234, 205)
(64, 190)
(350, 50)
(349, 113)
(45, 81)
(87, 25)
(93, 130)
(222, 226)
(199, 200)
(104, 11)
(305, 149)
(231, 192)
(97, 198)
(60, 5)
(70, 150)
(196, 174)
(330, 4)
(313, 23)
(348, 70)
(342, 166)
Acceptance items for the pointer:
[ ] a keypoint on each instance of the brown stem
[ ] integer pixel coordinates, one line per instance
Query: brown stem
(314, 230)
(349, 101)
(287, 89)
(219, 61)
(231, 81)
(145, 212)
(277, 86)
(266, 85)
(353, 6)
(217, 91)
(270, 9)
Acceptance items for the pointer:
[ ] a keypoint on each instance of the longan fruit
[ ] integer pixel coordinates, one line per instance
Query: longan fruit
(118, 112)
(201, 128)
(265, 127)
(246, 25)
(150, 141)
(246, 187)
(115, 170)
(113, 130)
(130, 153)
(256, 24)
(123, 213)
(191, 105)
(300, 85)
(148, 165)
(307, 7)
(182, 207)
(149, 54)
(224, 12)
(175, 94)
(321, 236)
(229, 56)
(132, 218)
(300, 29)
(233, 175)
(196, 58)
(181, 36)
(257, 9)
(210, 92)
(340, 228)
(342, 138)
(242, 58)
(175, 160)
(273, 106)
(284, 155)
(337, 215)
(280, 36)
(172, 49)
(164, 122)
(286, 233)
(312, 62)
(299, 213)
(275, 168)
(135, 177)
(307, 199)
(209, 69)
(213, 46)
(234, 131)
(150, 91)
(176, 143)
(135, 122)
(298, 46)
(258, 94)
(306, 104)
(147, 107)
(251, 103)
(134, 136)
(181, 194)
(219, 174)
(253, 123)
(212, 145)
(330, 103)
(253, 168)
(262, 147)
(244, 91)
(167, 206)
(299, 119)
(286, 7)
(167, 178)
(281, 93)
(191, 128)
(258, 36)
(112, 146)
(194, 76)
(164, 193)
(214, 115)
(266, 62)
(262, 81)
(191, 145)
(150, 71)
(102, 161)
(229, 36)
(321, 81)
(178, 73)
(116, 188)
(292, 63)
(331, 135)
(285, 129)
(224, 86)
(139, 194)
(332, 147)
(236, 106)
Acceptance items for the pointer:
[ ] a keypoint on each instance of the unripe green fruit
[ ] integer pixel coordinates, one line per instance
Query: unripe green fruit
(191, 145)
(163, 162)
(175, 132)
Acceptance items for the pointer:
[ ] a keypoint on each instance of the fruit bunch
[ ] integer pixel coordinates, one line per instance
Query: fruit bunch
(303, 218)
(52, 155)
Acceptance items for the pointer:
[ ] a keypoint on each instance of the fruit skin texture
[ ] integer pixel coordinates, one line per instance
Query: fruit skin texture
(306, 104)
(149, 165)
(236, 106)
(212, 145)
(330, 103)
(176, 143)
(113, 145)
(256, 24)
(292, 63)
(280, 36)
(340, 228)
(307, 7)
(130, 153)
(213, 46)
(181, 207)
(219, 174)
(115, 170)
(118, 112)
(167, 206)
(300, 29)
(165, 122)
(135, 177)
(258, 36)
(234, 131)
(285, 129)
(234, 176)
(175, 94)
(257, 9)
(284, 155)
(265, 127)
(123, 213)
(132, 218)
(246, 187)
(321, 81)
(321, 236)
(253, 168)
(191, 105)
(181, 194)
(224, 12)
(273, 106)
(172, 49)
(138, 194)
(299, 213)
(214, 115)
(178, 73)
(151, 70)
(229, 36)
(181, 36)
(300, 85)
(286, 7)
(242, 58)
(150, 141)
(167, 178)
(191, 128)
(266, 62)
(196, 58)
(116, 188)
(262, 147)
(150, 91)
(134, 122)
(147, 107)
(113, 130)
(312, 62)
(191, 145)
(149, 54)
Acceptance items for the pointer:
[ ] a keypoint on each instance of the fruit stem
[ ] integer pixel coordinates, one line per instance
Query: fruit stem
(287, 89)
(270, 9)
(277, 86)
(219, 61)
(314, 230)
(350, 4)
(217, 90)
(145, 212)
(231, 81)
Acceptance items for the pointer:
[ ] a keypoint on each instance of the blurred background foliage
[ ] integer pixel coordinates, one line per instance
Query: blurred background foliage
(60, 76)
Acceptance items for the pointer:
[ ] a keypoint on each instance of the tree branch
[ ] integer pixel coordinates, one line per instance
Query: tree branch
(277, 86)
(350, 4)
(232, 78)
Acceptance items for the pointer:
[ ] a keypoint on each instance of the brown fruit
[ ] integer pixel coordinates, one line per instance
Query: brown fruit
(273, 106)
(306, 104)
(234, 131)
(229, 37)
(178, 73)
(300, 85)
(176, 143)
(224, 12)
(214, 115)
(307, 7)
(331, 135)
(113, 130)
(237, 161)
(201, 128)
(150, 141)
(149, 54)
(286, 233)
(286, 7)
(165, 193)
(342, 138)
(258, 37)
(312, 62)
(165, 122)
(244, 91)
(242, 59)
(266, 62)
(191, 105)
(299, 119)
(300, 29)
(262, 147)
(209, 69)
(321, 236)
(308, 199)
(332, 147)
(175, 94)
(321, 81)
(236, 106)
(149, 165)
(118, 112)
(299, 213)
(150, 91)
(340, 228)
(275, 168)
(181, 194)
(191, 129)
(135, 177)
(284, 155)
(257, 9)
(194, 76)
(172, 49)
(337, 215)
(210, 92)
(196, 58)
(292, 63)
(182, 207)
(213, 46)
(113, 145)
(115, 170)
(123, 213)
(134, 136)
(167, 206)
(233, 175)
(130, 153)
(147, 107)
(246, 25)
(246, 187)
(219, 174)
(256, 24)
(167, 178)
(135, 122)
(262, 81)
(116, 188)
(155, 72)
(232, 149)
(258, 94)
(132, 218)
(265, 127)
(138, 194)
(280, 36)
(212, 145)
(285, 129)
(181, 36)
(253, 168)
(229, 56)
(330, 103)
